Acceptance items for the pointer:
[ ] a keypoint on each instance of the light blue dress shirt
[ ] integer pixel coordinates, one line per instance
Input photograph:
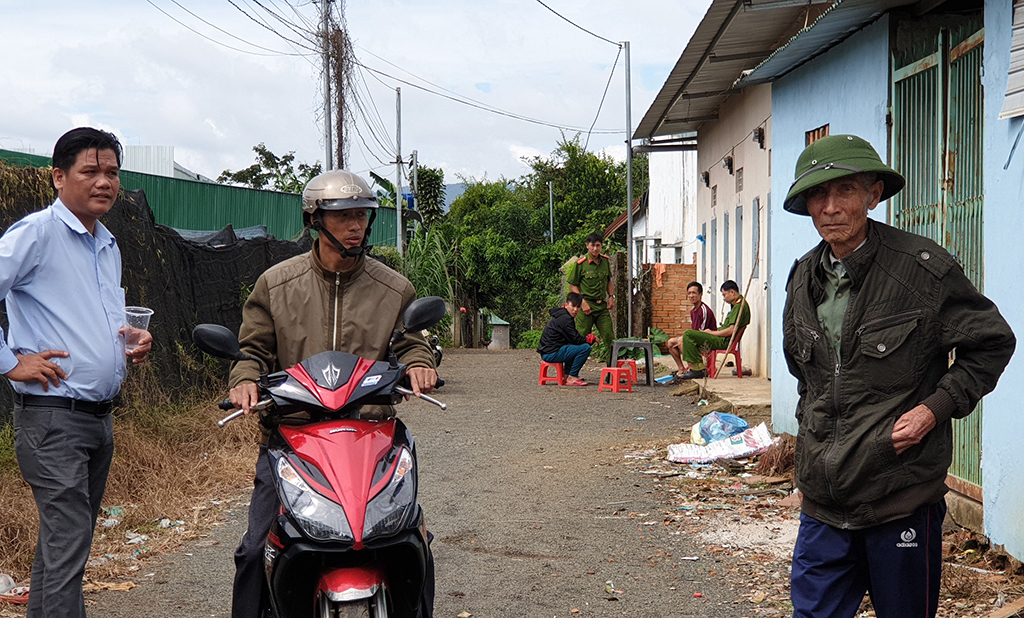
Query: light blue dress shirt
(63, 291)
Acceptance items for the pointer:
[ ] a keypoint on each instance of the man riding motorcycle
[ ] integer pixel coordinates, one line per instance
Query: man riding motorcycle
(332, 298)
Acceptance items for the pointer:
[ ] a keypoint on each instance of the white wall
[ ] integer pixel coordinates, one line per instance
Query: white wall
(848, 89)
(732, 135)
(671, 211)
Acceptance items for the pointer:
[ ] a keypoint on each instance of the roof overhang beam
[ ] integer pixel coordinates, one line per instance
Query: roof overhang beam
(707, 54)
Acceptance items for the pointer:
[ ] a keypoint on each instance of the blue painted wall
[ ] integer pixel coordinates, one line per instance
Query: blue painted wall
(1004, 270)
(848, 89)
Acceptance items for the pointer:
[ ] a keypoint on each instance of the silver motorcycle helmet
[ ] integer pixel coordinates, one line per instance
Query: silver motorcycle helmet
(338, 190)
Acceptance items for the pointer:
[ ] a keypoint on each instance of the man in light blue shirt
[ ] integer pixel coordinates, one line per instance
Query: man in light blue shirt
(60, 272)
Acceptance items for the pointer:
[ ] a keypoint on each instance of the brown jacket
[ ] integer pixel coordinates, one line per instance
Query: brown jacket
(298, 308)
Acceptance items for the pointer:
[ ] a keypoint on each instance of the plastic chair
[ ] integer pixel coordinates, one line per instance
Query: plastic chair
(711, 358)
(632, 368)
(545, 377)
(612, 379)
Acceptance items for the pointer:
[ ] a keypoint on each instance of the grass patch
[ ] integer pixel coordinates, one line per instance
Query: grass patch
(170, 460)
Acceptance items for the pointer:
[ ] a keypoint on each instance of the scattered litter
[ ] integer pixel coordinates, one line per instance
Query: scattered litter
(17, 596)
(664, 379)
(164, 522)
(758, 597)
(697, 595)
(6, 583)
(98, 562)
(120, 587)
(113, 511)
(702, 403)
(110, 522)
(465, 615)
(150, 574)
(691, 558)
(639, 418)
(747, 443)
(188, 555)
(717, 426)
(134, 538)
(608, 587)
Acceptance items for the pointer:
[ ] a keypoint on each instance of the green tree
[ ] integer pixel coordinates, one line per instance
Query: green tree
(279, 173)
(498, 230)
(430, 194)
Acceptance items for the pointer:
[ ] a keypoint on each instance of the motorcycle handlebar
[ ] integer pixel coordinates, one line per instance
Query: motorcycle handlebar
(226, 405)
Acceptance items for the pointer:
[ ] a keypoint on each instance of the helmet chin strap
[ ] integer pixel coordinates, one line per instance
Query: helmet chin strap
(345, 252)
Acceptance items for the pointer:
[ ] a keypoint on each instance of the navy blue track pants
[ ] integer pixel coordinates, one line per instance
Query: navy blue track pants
(899, 563)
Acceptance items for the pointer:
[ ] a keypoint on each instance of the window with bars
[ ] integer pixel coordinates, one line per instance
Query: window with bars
(815, 134)
(739, 180)
(714, 196)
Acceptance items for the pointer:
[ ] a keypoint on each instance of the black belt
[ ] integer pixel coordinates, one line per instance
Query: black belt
(96, 408)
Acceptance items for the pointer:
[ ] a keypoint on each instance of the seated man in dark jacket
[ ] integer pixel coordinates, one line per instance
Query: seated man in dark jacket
(562, 343)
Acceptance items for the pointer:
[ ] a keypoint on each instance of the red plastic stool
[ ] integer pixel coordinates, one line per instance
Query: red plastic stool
(545, 378)
(612, 380)
(632, 368)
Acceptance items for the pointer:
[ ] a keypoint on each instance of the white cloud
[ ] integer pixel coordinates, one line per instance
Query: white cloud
(130, 68)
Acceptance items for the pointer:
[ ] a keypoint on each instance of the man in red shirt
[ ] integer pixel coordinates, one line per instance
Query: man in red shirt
(701, 317)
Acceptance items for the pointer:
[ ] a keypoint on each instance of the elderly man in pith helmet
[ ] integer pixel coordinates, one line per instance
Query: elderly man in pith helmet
(872, 315)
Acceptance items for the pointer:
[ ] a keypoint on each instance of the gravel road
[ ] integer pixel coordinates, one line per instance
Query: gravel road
(528, 492)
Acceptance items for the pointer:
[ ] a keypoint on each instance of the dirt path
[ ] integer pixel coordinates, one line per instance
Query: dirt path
(532, 502)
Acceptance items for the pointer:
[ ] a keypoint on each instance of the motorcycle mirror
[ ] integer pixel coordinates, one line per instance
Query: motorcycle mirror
(217, 340)
(423, 313)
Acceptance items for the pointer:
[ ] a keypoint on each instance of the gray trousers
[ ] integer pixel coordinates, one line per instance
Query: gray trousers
(65, 457)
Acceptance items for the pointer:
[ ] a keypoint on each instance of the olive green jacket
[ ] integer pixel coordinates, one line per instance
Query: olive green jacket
(910, 306)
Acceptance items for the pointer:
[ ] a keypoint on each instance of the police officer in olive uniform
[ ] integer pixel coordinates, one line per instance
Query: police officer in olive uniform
(591, 277)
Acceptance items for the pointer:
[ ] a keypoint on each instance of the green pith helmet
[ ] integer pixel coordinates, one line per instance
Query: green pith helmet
(835, 156)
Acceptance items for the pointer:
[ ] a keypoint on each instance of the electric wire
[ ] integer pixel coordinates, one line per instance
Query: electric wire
(265, 25)
(212, 40)
(386, 146)
(487, 108)
(603, 95)
(291, 26)
(379, 120)
(578, 26)
(378, 134)
(237, 38)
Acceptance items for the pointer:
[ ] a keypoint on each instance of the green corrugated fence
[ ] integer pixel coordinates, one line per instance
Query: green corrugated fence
(192, 205)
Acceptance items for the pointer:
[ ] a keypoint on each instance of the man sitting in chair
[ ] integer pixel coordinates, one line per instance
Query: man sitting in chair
(697, 342)
(562, 343)
(701, 317)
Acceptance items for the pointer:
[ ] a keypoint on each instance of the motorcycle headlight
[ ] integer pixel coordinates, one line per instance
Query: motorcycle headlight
(387, 510)
(318, 517)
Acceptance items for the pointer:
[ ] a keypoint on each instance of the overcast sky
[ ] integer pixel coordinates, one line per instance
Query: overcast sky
(127, 67)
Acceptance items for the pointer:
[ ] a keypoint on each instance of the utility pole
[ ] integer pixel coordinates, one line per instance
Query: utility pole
(551, 211)
(398, 170)
(415, 175)
(325, 13)
(629, 203)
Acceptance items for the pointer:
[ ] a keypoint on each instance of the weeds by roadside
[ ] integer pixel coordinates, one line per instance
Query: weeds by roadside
(170, 460)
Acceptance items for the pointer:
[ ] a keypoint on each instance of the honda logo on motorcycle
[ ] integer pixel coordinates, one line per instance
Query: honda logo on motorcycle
(331, 374)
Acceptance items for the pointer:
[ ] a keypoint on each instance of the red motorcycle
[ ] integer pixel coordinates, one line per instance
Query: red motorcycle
(350, 538)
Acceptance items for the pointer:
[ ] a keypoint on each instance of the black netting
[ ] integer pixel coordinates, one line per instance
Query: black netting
(185, 282)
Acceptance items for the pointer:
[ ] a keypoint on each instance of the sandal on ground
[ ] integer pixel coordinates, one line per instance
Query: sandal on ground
(572, 381)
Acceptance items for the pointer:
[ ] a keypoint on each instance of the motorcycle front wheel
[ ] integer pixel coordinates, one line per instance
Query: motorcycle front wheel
(374, 607)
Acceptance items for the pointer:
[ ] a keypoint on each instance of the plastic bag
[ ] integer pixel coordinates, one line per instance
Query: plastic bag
(720, 425)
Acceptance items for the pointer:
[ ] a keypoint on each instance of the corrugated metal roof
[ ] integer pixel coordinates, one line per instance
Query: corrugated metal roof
(733, 37)
(841, 20)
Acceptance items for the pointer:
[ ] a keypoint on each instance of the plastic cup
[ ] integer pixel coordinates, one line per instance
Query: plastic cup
(136, 321)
